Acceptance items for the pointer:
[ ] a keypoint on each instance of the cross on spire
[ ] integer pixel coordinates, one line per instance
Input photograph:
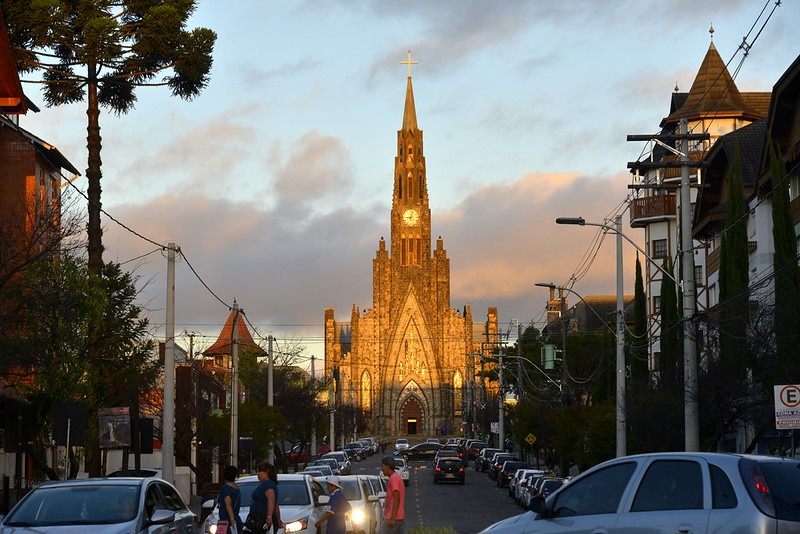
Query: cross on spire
(409, 63)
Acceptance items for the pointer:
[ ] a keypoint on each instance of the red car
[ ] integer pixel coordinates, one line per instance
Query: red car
(296, 456)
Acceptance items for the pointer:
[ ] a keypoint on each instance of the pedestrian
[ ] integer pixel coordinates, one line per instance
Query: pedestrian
(338, 508)
(394, 512)
(265, 514)
(230, 500)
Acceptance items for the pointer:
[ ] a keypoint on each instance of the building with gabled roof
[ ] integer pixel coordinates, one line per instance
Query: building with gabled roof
(714, 104)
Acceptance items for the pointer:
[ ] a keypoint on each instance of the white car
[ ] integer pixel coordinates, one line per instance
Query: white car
(299, 496)
(342, 459)
(401, 468)
(366, 512)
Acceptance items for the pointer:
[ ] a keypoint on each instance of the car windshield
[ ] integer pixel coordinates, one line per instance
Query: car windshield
(351, 489)
(77, 505)
(290, 492)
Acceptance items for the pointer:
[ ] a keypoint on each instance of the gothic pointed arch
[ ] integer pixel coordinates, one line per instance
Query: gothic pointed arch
(366, 391)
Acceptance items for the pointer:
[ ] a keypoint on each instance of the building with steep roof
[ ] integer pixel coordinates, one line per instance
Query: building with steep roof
(408, 361)
(714, 104)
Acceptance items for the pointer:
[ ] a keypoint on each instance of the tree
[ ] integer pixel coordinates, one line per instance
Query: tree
(639, 345)
(99, 51)
(787, 275)
(734, 273)
(671, 340)
(47, 348)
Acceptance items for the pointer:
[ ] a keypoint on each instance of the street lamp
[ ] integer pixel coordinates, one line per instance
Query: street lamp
(621, 412)
(690, 377)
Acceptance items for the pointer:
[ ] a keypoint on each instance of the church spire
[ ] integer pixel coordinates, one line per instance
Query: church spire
(410, 112)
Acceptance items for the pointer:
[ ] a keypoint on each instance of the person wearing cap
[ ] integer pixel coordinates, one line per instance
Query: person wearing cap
(338, 507)
(394, 512)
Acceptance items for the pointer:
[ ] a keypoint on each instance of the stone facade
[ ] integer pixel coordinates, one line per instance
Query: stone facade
(409, 361)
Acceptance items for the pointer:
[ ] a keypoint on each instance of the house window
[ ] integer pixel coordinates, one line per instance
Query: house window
(698, 275)
(659, 249)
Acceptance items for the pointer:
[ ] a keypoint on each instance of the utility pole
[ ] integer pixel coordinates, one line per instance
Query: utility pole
(332, 408)
(313, 452)
(168, 422)
(270, 392)
(235, 386)
(621, 410)
(690, 418)
(501, 437)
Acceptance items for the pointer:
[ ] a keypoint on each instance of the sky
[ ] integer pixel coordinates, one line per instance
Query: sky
(276, 182)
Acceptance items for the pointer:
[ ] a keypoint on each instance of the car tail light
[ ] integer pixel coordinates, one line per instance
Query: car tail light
(757, 486)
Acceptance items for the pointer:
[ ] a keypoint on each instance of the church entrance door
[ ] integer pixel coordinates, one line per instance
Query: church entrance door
(411, 417)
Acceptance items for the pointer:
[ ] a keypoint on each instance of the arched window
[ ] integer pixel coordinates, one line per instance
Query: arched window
(458, 390)
(366, 391)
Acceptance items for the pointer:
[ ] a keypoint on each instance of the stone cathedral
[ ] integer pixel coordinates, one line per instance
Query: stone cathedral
(409, 361)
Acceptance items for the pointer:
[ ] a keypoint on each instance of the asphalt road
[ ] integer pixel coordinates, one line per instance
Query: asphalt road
(468, 509)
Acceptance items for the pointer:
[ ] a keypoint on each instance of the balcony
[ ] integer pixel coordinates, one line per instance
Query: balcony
(652, 209)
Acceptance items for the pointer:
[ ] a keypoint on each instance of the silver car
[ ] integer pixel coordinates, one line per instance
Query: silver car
(108, 505)
(664, 493)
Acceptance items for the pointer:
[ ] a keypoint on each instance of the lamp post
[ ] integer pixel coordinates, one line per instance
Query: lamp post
(620, 333)
(620, 367)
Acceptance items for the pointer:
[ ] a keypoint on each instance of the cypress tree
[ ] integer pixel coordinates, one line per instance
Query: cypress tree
(787, 274)
(639, 345)
(670, 363)
(734, 277)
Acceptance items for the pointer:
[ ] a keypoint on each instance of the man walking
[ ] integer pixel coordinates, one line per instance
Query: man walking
(338, 508)
(394, 512)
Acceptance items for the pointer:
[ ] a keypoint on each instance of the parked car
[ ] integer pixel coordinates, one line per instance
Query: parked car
(297, 456)
(516, 478)
(421, 451)
(549, 486)
(298, 496)
(144, 472)
(330, 462)
(484, 458)
(355, 451)
(507, 470)
(366, 512)
(497, 463)
(342, 459)
(95, 505)
(663, 493)
(401, 444)
(521, 494)
(449, 469)
(474, 448)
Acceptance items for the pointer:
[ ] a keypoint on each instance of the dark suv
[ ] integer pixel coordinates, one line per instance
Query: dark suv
(484, 458)
(497, 462)
(507, 471)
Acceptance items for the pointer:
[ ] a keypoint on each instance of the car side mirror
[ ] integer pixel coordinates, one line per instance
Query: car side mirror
(538, 507)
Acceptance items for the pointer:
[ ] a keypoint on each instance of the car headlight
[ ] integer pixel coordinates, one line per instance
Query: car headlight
(296, 525)
(357, 515)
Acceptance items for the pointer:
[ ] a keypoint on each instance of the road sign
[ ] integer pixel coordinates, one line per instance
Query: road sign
(531, 439)
(787, 406)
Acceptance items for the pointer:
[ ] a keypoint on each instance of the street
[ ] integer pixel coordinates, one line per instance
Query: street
(468, 509)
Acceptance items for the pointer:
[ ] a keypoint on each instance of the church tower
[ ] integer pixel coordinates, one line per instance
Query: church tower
(407, 362)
